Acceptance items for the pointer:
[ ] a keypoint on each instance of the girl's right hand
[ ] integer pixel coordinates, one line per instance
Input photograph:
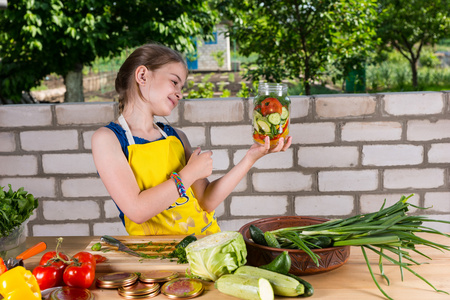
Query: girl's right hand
(200, 164)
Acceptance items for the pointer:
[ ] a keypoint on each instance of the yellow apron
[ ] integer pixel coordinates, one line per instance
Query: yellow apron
(152, 164)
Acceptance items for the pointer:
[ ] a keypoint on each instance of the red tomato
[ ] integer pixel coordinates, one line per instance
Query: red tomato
(85, 257)
(48, 276)
(271, 105)
(99, 258)
(79, 274)
(51, 255)
(3, 268)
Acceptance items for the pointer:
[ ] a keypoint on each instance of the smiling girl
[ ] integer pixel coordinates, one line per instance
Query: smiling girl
(156, 180)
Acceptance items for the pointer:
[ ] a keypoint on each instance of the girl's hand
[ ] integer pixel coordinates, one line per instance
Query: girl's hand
(200, 164)
(257, 151)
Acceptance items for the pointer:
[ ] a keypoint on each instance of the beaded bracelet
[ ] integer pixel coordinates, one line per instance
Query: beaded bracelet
(179, 183)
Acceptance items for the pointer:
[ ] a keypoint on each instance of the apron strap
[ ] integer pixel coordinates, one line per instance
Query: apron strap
(160, 130)
(124, 125)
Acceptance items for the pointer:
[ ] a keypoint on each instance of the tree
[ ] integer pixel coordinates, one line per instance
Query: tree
(298, 38)
(53, 36)
(408, 25)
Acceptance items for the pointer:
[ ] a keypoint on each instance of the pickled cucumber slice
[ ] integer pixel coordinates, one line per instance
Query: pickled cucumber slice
(263, 125)
(284, 113)
(274, 118)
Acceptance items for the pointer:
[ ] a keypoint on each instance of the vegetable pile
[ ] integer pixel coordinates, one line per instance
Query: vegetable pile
(270, 118)
(15, 208)
(388, 232)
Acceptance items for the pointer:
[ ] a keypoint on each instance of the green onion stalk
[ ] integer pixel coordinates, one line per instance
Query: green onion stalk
(389, 230)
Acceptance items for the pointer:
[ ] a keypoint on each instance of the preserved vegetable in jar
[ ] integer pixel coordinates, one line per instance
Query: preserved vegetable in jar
(271, 113)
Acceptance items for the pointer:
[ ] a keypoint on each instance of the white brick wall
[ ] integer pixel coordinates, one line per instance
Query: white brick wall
(349, 153)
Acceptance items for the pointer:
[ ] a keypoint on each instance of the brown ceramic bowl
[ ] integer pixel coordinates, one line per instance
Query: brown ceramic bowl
(258, 255)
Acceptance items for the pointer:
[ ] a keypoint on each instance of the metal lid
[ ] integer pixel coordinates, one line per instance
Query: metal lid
(182, 288)
(158, 276)
(145, 296)
(70, 293)
(115, 280)
(138, 288)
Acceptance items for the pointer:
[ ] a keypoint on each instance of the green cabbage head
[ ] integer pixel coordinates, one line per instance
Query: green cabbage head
(217, 254)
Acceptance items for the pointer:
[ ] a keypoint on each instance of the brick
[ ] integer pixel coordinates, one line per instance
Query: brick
(285, 182)
(241, 186)
(258, 205)
(111, 210)
(313, 133)
(328, 157)
(439, 153)
(280, 160)
(66, 229)
(38, 187)
(25, 115)
(366, 180)
(332, 106)
(7, 142)
(221, 160)
(213, 111)
(413, 103)
(83, 187)
(70, 210)
(392, 155)
(413, 178)
(424, 130)
(81, 163)
(49, 140)
(437, 202)
(371, 131)
(234, 224)
(171, 119)
(109, 228)
(196, 135)
(323, 205)
(86, 113)
(23, 165)
(87, 136)
(220, 210)
(373, 202)
(442, 227)
(231, 135)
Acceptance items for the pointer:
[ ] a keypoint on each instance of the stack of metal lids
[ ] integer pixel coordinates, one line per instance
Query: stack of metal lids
(139, 290)
(116, 280)
(157, 276)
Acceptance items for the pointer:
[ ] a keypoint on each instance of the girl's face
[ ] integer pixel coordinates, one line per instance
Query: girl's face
(163, 88)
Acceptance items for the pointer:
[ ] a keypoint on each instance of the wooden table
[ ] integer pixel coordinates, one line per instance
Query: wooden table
(349, 282)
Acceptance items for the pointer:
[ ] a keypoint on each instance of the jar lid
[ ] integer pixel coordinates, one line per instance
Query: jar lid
(115, 280)
(138, 288)
(182, 288)
(145, 296)
(70, 293)
(158, 276)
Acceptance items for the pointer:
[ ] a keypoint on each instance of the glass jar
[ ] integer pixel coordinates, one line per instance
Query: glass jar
(271, 112)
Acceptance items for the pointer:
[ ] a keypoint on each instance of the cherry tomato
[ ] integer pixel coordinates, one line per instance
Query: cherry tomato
(271, 105)
(79, 274)
(48, 276)
(99, 258)
(3, 268)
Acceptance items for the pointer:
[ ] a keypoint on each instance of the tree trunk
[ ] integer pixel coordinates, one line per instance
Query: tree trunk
(74, 85)
(415, 82)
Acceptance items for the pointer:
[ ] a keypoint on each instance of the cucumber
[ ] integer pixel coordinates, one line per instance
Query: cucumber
(282, 285)
(309, 290)
(271, 240)
(281, 264)
(263, 125)
(186, 241)
(284, 113)
(257, 235)
(274, 118)
(321, 241)
(245, 287)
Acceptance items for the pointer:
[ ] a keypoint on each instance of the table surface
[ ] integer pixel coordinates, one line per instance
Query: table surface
(351, 281)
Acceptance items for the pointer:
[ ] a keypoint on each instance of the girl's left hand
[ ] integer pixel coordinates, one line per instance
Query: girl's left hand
(257, 151)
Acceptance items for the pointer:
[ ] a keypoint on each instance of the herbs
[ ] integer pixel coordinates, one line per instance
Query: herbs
(15, 208)
(388, 231)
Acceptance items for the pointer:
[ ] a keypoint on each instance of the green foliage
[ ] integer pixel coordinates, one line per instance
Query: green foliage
(204, 90)
(244, 92)
(15, 208)
(219, 57)
(42, 37)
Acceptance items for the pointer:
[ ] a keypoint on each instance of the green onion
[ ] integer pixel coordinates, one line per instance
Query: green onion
(390, 229)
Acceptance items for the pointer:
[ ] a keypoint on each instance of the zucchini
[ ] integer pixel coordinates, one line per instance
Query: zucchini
(284, 113)
(309, 290)
(245, 287)
(282, 285)
(257, 235)
(263, 125)
(281, 264)
(271, 240)
(274, 118)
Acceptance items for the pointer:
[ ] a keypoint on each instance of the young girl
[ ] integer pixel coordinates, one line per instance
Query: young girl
(158, 183)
